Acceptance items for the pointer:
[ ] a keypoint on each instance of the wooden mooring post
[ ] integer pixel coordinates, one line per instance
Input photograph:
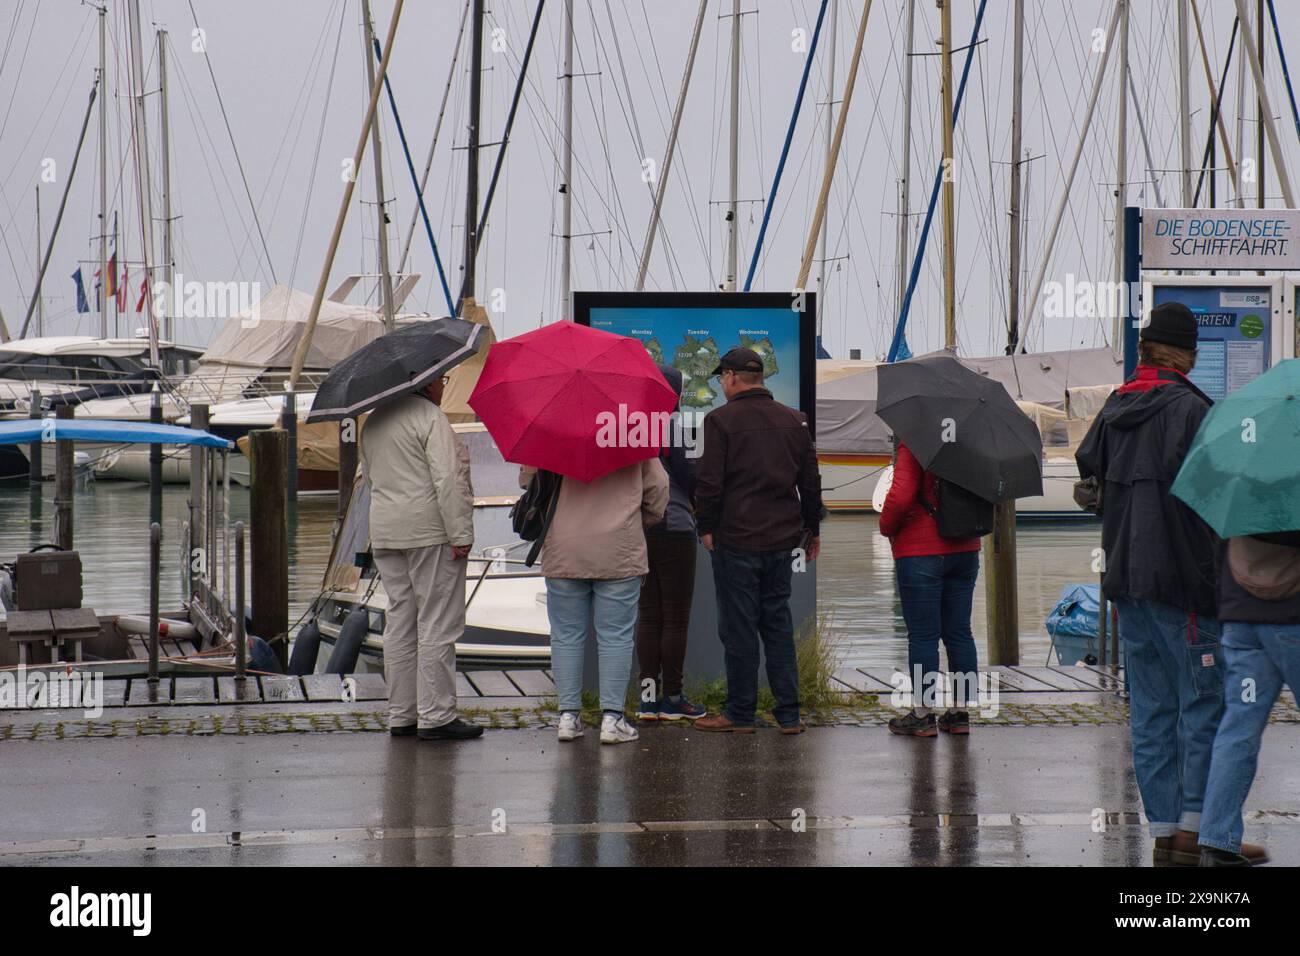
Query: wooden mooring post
(198, 543)
(1000, 587)
(64, 474)
(268, 452)
(35, 471)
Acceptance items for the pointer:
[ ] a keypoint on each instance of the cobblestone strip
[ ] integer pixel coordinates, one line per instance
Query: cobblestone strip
(864, 712)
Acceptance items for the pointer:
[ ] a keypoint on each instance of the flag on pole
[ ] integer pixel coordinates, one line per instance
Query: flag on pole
(120, 291)
(82, 304)
(144, 291)
(97, 285)
(111, 288)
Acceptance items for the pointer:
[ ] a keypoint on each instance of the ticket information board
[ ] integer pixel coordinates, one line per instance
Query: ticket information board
(1236, 330)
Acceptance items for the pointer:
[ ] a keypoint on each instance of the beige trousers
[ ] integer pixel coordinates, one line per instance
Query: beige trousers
(425, 619)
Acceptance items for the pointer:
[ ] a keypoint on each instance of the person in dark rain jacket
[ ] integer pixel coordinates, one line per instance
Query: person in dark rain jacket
(1161, 570)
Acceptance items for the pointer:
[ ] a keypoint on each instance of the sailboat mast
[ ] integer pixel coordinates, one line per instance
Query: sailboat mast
(733, 220)
(102, 294)
(1121, 170)
(169, 265)
(142, 168)
(949, 229)
(904, 202)
(471, 175)
(385, 277)
(1013, 234)
(1184, 108)
(566, 170)
(830, 134)
(1260, 176)
(40, 303)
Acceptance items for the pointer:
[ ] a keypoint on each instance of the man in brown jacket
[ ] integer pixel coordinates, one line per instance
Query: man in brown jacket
(757, 500)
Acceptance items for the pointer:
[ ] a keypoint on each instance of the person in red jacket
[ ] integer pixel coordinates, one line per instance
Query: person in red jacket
(936, 583)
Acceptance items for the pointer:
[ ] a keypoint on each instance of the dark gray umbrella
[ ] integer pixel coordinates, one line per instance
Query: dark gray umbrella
(962, 426)
(393, 365)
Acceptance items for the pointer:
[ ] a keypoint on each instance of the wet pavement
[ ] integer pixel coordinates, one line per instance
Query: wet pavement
(1025, 795)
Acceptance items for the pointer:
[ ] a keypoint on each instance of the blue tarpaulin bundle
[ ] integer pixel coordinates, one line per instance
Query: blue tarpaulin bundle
(1076, 612)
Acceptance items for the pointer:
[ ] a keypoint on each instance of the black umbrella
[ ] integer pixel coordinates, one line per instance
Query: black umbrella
(962, 426)
(394, 365)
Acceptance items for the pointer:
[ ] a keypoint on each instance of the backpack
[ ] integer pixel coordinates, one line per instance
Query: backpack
(959, 513)
(531, 514)
(1270, 572)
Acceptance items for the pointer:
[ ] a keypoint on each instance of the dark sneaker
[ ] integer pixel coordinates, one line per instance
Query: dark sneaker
(912, 724)
(456, 730)
(649, 710)
(954, 722)
(680, 709)
(402, 730)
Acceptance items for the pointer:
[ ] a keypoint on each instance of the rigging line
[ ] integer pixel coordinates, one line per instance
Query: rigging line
(934, 192)
(320, 135)
(1286, 73)
(299, 113)
(785, 148)
(639, 141)
(229, 132)
(67, 187)
(200, 131)
(437, 129)
(501, 152)
(27, 47)
(1214, 113)
(419, 197)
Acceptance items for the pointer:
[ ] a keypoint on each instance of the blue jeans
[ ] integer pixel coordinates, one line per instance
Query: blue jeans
(1174, 672)
(1268, 655)
(753, 590)
(611, 604)
(936, 591)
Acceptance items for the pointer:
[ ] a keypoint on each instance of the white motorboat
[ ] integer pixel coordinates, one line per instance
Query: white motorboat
(505, 615)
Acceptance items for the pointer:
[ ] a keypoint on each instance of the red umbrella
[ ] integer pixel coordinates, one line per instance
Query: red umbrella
(573, 400)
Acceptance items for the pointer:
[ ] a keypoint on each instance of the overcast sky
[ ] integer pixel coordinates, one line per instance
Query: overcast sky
(292, 79)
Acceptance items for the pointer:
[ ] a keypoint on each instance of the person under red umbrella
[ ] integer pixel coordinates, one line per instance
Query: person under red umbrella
(593, 408)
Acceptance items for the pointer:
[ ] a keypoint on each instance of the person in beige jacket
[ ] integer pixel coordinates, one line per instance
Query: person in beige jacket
(593, 559)
(421, 532)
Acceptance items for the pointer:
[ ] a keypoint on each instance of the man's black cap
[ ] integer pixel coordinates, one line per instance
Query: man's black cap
(1172, 323)
(739, 360)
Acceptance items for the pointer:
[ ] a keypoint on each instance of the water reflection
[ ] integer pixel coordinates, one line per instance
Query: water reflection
(855, 574)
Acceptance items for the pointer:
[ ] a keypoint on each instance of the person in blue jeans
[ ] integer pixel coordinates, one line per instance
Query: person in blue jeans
(1261, 652)
(936, 587)
(758, 508)
(593, 559)
(1161, 570)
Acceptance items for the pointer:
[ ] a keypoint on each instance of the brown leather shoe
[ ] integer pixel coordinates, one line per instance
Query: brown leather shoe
(795, 728)
(1183, 849)
(720, 724)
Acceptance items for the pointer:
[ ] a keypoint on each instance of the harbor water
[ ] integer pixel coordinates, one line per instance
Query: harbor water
(855, 572)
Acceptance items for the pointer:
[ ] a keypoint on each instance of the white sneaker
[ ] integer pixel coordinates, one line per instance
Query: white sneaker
(570, 726)
(616, 730)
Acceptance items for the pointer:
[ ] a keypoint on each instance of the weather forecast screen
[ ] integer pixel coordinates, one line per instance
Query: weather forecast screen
(692, 340)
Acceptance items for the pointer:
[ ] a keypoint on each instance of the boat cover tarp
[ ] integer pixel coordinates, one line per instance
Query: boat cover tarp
(846, 392)
(25, 430)
(266, 335)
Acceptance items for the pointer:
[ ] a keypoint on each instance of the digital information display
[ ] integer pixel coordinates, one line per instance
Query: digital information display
(692, 331)
(1235, 336)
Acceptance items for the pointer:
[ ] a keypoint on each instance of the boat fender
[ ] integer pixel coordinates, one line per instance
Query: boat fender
(347, 648)
(306, 649)
(261, 657)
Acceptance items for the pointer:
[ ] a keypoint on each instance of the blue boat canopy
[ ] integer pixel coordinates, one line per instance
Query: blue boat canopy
(23, 431)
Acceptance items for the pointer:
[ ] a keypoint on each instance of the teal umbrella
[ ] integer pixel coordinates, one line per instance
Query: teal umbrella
(1242, 474)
